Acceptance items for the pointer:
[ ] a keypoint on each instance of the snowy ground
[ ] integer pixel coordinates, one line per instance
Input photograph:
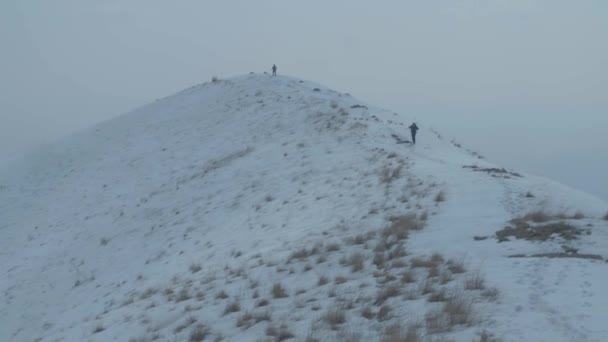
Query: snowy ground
(261, 208)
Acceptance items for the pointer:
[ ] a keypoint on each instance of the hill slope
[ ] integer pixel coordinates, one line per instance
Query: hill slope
(259, 208)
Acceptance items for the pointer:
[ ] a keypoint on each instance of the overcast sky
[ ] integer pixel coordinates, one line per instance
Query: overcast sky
(524, 82)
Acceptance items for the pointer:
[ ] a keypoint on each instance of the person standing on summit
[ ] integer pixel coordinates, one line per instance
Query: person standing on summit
(413, 130)
(274, 70)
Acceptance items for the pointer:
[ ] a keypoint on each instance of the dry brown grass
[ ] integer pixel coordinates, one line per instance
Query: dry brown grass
(332, 247)
(418, 262)
(356, 261)
(232, 307)
(379, 260)
(474, 281)
(367, 313)
(386, 293)
(281, 333)
(98, 328)
(408, 277)
(199, 333)
(401, 226)
(322, 281)
(278, 291)
(389, 174)
(456, 267)
(490, 294)
(195, 268)
(438, 295)
(396, 333)
(263, 302)
(340, 280)
(522, 230)
(221, 295)
(334, 317)
(457, 310)
(440, 197)
(384, 313)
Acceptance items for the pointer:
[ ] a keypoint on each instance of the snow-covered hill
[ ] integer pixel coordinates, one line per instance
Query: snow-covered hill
(271, 208)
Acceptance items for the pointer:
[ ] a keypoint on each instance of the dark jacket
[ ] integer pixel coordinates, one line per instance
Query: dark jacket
(413, 128)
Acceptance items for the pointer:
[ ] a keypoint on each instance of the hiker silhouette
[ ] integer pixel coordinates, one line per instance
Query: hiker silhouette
(413, 130)
(274, 70)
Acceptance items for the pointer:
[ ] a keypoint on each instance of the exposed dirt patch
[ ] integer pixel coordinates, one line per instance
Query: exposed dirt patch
(544, 232)
(493, 171)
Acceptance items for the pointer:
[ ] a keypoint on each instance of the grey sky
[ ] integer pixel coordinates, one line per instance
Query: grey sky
(525, 82)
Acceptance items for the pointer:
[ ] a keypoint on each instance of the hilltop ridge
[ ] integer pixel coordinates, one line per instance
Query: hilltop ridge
(261, 207)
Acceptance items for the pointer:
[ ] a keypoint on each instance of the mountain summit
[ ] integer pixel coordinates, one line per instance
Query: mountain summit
(272, 208)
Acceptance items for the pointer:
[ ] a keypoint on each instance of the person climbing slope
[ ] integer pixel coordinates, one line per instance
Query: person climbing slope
(413, 130)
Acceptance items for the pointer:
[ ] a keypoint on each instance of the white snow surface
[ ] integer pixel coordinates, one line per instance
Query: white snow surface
(102, 234)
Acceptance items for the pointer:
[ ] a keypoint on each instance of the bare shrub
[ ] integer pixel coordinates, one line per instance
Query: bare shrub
(474, 282)
(459, 310)
(334, 317)
(232, 307)
(104, 241)
(456, 267)
(214, 79)
(322, 280)
(396, 333)
(278, 291)
(386, 293)
(440, 197)
(199, 333)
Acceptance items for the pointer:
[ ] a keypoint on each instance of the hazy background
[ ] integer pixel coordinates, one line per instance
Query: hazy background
(524, 82)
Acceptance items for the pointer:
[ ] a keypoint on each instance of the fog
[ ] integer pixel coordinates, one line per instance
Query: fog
(524, 82)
